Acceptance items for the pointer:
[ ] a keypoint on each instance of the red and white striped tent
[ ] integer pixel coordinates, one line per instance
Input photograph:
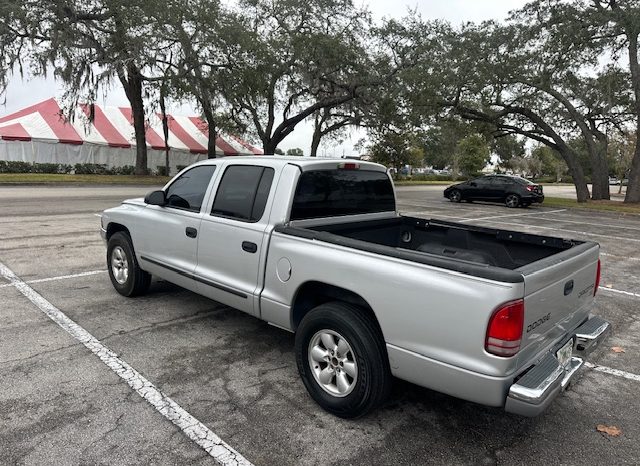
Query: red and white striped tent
(40, 133)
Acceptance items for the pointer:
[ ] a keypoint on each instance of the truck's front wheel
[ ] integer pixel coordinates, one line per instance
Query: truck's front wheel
(126, 275)
(342, 359)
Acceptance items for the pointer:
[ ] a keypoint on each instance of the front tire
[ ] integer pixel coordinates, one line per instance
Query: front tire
(342, 359)
(512, 201)
(126, 275)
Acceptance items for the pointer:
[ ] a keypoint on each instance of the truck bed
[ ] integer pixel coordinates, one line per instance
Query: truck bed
(486, 252)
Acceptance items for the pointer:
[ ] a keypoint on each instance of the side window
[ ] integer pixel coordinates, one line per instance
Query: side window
(188, 190)
(243, 192)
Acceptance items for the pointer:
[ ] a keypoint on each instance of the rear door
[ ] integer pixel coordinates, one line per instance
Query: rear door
(232, 236)
(559, 294)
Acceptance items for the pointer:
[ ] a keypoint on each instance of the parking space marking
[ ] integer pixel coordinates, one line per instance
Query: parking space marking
(611, 371)
(519, 215)
(620, 257)
(619, 227)
(626, 293)
(566, 231)
(189, 425)
(59, 277)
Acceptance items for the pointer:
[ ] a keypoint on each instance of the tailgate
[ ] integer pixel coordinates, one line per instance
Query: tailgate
(558, 297)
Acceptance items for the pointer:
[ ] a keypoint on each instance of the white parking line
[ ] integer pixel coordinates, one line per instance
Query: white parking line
(626, 293)
(620, 257)
(59, 277)
(566, 231)
(518, 215)
(611, 371)
(192, 428)
(608, 225)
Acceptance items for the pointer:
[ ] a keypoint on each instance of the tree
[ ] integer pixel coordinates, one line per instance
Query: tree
(506, 147)
(304, 57)
(550, 162)
(471, 155)
(88, 45)
(621, 153)
(193, 56)
(296, 152)
(601, 31)
(396, 150)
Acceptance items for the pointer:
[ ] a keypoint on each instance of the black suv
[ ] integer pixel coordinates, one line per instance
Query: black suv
(514, 191)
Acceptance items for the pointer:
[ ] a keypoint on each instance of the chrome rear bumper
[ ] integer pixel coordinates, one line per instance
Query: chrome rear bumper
(535, 391)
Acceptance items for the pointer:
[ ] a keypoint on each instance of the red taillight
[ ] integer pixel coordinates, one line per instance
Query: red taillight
(595, 289)
(531, 187)
(504, 332)
(349, 166)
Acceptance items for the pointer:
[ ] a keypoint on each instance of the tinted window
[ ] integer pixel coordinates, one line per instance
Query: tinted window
(484, 181)
(520, 180)
(500, 181)
(329, 193)
(188, 190)
(243, 192)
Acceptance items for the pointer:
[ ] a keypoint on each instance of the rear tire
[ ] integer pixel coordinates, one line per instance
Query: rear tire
(342, 359)
(512, 201)
(126, 275)
(455, 196)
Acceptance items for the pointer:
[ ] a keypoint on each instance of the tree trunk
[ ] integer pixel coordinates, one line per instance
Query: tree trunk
(132, 84)
(269, 146)
(315, 142)
(600, 172)
(576, 172)
(633, 188)
(165, 129)
(212, 132)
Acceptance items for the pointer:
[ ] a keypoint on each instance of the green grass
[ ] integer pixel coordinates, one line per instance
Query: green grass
(611, 206)
(423, 182)
(46, 178)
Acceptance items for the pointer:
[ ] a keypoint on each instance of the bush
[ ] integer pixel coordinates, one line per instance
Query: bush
(124, 170)
(181, 167)
(51, 168)
(431, 177)
(15, 167)
(162, 170)
(91, 169)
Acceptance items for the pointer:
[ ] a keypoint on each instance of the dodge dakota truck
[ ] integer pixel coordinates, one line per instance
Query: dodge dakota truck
(317, 247)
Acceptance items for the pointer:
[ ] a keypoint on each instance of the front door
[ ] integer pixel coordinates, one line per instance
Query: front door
(167, 236)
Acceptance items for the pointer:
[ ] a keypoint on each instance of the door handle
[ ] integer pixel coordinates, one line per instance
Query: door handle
(249, 246)
(191, 232)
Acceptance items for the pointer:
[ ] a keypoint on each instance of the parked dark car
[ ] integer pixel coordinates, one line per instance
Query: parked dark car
(514, 191)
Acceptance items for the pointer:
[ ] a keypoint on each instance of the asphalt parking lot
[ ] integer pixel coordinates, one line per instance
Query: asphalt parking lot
(61, 404)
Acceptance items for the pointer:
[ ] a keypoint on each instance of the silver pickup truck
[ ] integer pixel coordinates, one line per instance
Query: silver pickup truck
(317, 247)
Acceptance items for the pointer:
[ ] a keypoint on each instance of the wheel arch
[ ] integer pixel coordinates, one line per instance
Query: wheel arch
(312, 294)
(114, 227)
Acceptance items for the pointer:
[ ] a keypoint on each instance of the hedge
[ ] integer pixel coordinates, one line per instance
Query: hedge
(78, 168)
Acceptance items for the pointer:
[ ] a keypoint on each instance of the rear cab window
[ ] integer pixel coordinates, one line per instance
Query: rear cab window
(332, 193)
(243, 193)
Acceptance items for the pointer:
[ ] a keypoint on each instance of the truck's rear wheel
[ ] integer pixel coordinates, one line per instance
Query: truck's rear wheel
(126, 275)
(342, 359)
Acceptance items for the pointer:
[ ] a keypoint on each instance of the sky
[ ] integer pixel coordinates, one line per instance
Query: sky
(24, 92)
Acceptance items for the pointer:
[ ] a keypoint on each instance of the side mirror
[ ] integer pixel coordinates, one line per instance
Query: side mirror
(156, 198)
